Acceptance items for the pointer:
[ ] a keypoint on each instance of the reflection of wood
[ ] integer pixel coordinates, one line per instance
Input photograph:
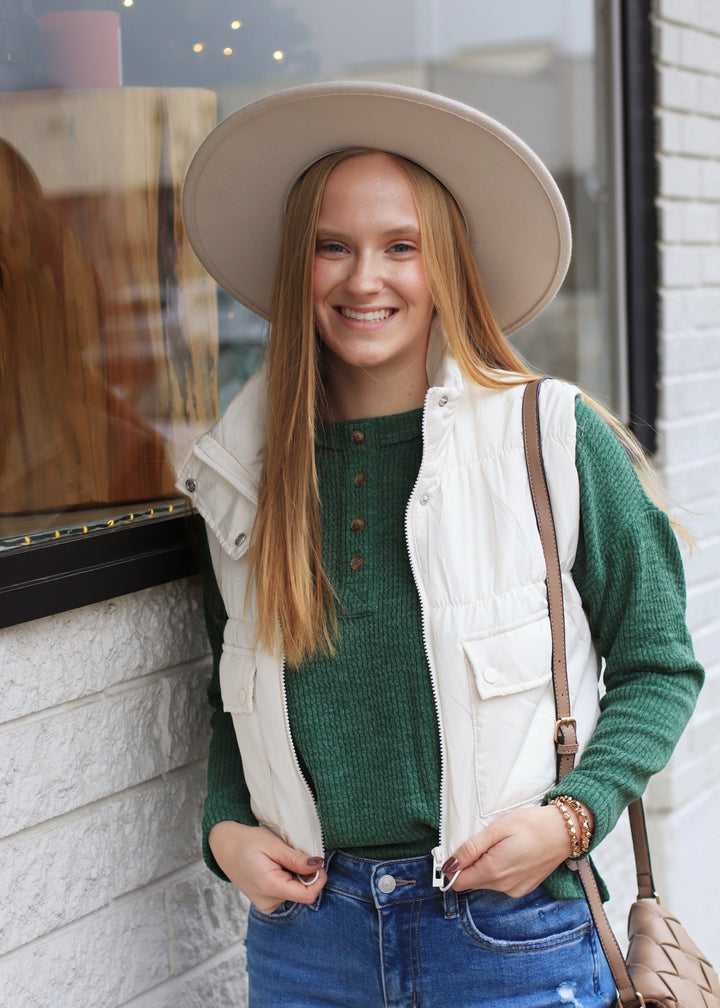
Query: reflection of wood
(49, 313)
(103, 305)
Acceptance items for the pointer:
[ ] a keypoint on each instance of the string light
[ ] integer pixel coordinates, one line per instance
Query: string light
(198, 47)
(128, 3)
(235, 25)
(43, 535)
(278, 55)
(227, 51)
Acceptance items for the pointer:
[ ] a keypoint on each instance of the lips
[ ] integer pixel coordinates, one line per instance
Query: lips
(377, 315)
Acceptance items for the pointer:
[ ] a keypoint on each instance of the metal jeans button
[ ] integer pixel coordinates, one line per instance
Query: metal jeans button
(386, 883)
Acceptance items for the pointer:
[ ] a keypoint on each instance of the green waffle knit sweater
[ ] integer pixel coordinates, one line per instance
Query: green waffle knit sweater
(363, 722)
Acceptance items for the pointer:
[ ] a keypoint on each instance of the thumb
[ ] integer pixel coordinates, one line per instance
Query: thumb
(471, 851)
(294, 860)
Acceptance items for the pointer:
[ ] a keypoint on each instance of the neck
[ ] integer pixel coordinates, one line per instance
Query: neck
(368, 395)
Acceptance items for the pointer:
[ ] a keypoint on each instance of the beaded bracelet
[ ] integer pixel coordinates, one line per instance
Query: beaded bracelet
(579, 845)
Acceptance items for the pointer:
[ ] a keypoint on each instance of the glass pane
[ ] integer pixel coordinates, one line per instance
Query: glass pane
(116, 348)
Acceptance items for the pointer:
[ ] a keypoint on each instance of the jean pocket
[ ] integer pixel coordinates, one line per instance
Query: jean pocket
(534, 921)
(284, 913)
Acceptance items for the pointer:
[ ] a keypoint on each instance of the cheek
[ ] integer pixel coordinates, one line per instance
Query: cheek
(325, 278)
(421, 292)
(317, 284)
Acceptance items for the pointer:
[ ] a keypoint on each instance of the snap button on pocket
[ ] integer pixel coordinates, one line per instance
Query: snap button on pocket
(191, 485)
(490, 674)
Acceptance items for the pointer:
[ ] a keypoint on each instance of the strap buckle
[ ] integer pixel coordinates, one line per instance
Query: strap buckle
(563, 722)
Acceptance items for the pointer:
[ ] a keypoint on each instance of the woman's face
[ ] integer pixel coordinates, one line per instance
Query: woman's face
(373, 307)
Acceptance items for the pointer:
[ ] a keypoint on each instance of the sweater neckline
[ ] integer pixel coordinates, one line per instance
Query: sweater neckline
(370, 432)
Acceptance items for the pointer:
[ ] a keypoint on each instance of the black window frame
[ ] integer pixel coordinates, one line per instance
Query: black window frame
(640, 217)
(43, 579)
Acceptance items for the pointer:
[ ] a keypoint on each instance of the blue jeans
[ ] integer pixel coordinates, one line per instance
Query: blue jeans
(380, 936)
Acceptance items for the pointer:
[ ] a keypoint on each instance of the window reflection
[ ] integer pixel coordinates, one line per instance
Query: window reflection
(116, 348)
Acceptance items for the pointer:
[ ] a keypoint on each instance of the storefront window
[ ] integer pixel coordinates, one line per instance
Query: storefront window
(116, 348)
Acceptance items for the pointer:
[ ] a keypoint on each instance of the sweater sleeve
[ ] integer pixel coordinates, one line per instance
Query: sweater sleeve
(227, 795)
(629, 573)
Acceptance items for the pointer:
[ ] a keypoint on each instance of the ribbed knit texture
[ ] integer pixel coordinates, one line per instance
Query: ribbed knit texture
(377, 785)
(364, 723)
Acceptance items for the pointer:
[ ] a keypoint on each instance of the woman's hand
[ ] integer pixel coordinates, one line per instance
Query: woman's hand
(262, 866)
(514, 854)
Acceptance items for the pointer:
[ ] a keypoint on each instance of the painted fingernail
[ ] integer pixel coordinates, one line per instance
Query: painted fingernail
(314, 862)
(450, 866)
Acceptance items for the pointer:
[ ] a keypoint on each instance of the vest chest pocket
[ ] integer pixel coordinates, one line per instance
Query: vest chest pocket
(238, 667)
(237, 680)
(513, 714)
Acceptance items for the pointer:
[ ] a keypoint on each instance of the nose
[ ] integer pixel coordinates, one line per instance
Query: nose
(365, 276)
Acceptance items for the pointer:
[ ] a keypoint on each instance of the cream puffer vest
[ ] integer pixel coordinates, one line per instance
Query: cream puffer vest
(478, 565)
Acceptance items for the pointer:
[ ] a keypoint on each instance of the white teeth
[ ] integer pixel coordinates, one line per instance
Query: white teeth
(371, 316)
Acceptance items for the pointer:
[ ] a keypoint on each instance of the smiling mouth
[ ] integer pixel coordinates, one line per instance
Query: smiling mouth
(367, 316)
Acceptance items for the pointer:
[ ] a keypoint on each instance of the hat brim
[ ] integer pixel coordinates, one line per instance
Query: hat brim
(238, 182)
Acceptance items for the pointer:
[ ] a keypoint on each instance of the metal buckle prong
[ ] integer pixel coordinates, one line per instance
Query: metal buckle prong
(563, 722)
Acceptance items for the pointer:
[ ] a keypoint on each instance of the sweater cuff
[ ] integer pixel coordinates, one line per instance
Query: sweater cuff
(594, 796)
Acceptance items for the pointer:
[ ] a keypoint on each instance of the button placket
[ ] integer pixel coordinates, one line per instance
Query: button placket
(356, 523)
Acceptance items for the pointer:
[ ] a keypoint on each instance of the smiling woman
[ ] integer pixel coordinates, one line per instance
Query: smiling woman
(383, 770)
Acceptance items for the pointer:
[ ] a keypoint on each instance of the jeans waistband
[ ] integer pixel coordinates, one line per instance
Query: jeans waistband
(385, 883)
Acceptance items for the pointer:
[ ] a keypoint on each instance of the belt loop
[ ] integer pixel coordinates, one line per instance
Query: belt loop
(316, 903)
(450, 904)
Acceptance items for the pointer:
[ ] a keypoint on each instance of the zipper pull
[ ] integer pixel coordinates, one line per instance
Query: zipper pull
(439, 880)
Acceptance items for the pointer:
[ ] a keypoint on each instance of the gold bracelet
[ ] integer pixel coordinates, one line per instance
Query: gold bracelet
(575, 846)
(578, 845)
(586, 833)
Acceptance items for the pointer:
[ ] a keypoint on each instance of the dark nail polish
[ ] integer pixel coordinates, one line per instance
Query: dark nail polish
(450, 866)
(314, 862)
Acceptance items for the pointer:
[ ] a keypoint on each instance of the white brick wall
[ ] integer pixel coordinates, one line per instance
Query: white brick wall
(102, 735)
(685, 801)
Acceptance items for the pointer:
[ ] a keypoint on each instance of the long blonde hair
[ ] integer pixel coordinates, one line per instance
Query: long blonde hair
(295, 601)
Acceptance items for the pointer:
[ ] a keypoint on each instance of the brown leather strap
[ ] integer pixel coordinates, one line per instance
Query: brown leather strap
(627, 995)
(565, 725)
(565, 731)
(643, 870)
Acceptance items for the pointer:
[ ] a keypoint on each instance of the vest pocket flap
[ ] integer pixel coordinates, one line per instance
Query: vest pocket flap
(237, 679)
(512, 661)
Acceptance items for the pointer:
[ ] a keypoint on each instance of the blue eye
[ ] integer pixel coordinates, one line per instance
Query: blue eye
(330, 246)
(402, 247)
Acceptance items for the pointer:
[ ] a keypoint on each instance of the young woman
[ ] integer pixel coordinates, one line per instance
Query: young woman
(381, 781)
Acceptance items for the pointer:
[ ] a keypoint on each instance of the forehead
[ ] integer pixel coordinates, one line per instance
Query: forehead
(368, 182)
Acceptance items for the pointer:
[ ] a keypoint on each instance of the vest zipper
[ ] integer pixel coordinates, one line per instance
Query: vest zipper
(301, 775)
(438, 854)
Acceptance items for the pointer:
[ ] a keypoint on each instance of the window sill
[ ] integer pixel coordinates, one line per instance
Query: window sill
(52, 577)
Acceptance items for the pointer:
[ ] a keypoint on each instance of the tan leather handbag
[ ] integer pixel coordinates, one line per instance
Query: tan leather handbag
(663, 968)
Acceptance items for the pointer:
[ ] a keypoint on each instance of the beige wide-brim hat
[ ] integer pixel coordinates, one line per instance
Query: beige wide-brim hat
(239, 180)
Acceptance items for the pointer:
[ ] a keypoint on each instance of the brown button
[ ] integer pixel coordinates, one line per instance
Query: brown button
(357, 437)
(356, 563)
(356, 524)
(360, 480)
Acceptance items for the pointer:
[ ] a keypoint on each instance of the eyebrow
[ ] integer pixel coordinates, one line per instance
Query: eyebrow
(400, 229)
